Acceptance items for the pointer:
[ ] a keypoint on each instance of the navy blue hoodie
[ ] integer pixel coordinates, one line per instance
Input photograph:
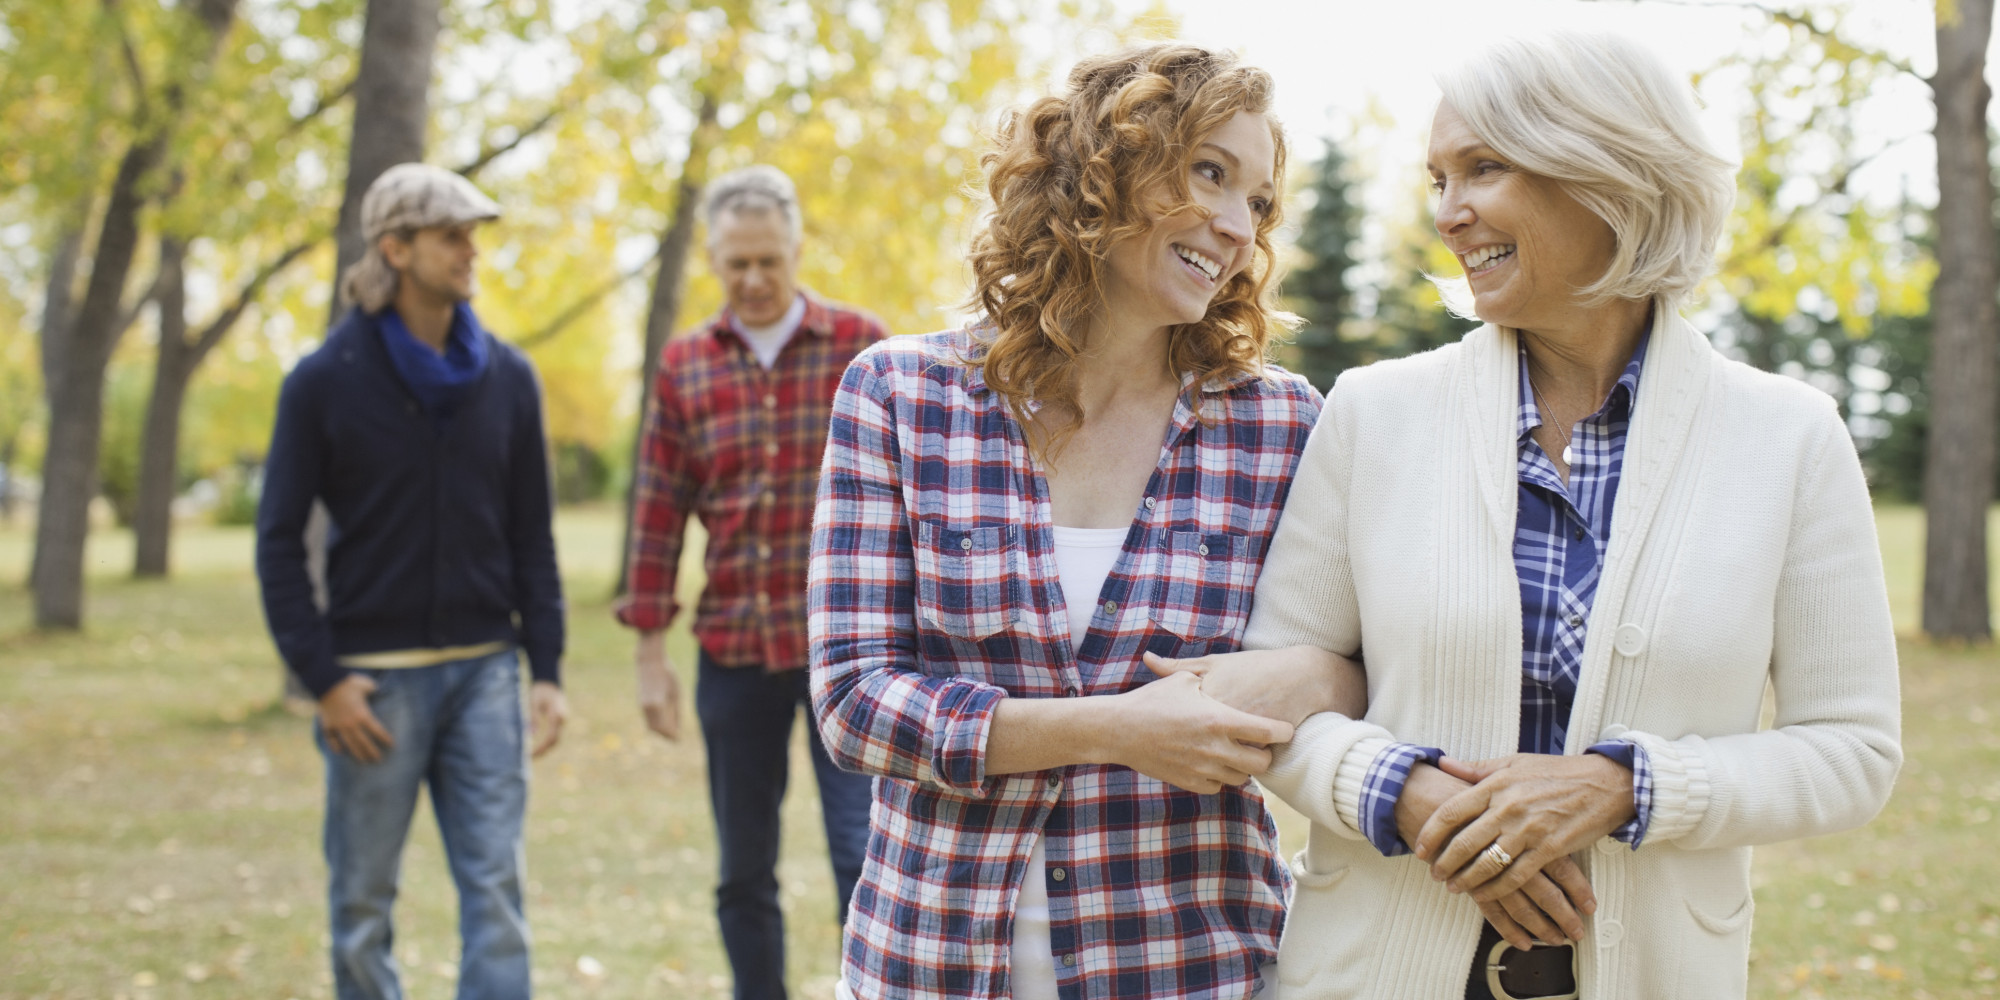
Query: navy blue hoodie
(441, 530)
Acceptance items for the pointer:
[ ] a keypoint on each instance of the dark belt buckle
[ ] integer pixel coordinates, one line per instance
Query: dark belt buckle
(1532, 969)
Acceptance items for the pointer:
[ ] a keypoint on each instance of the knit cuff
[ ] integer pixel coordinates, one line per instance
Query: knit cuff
(1681, 788)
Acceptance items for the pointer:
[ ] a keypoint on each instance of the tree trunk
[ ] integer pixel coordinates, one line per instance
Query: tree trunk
(664, 311)
(159, 450)
(76, 420)
(391, 111)
(1959, 459)
(58, 316)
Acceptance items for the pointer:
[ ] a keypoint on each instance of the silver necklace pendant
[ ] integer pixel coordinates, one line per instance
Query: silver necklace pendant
(1567, 456)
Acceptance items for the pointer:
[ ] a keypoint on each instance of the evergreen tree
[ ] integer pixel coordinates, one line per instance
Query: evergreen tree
(1317, 288)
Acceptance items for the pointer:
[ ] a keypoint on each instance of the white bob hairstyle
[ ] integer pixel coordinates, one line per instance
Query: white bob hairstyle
(1603, 117)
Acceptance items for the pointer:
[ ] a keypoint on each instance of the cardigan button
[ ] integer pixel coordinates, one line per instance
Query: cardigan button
(1629, 640)
(1606, 845)
(1609, 933)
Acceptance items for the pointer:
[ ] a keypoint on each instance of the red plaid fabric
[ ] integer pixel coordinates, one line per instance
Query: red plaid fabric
(739, 447)
(934, 594)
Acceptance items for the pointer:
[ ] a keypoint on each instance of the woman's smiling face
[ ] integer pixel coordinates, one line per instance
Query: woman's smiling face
(1170, 273)
(1526, 245)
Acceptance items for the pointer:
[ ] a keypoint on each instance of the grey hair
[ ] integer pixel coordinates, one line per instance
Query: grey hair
(1606, 119)
(759, 188)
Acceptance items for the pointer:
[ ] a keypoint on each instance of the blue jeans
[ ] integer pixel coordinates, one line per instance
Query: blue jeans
(457, 727)
(746, 722)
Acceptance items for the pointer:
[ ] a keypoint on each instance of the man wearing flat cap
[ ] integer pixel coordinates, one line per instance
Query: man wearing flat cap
(422, 435)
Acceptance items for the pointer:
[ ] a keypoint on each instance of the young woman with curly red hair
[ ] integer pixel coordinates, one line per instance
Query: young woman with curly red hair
(1010, 516)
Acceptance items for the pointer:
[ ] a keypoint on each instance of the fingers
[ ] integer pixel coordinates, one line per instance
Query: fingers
(548, 728)
(1509, 928)
(1549, 902)
(1531, 918)
(1481, 864)
(1451, 814)
(373, 731)
(664, 720)
(1244, 727)
(1568, 877)
(1163, 666)
(1473, 771)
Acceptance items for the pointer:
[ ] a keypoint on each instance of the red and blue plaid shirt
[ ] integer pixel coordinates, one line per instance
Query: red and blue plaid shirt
(739, 446)
(934, 594)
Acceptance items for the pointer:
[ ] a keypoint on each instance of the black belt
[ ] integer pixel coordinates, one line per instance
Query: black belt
(1502, 972)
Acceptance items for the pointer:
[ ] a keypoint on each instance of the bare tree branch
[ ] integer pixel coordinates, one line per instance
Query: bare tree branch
(491, 153)
(576, 310)
(131, 55)
(130, 314)
(321, 106)
(219, 327)
(1790, 18)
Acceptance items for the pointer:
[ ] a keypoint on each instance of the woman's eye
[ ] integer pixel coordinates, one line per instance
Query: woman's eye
(1210, 171)
(1437, 185)
(1261, 207)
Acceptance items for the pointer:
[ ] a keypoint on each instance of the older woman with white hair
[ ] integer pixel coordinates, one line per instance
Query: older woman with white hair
(1574, 550)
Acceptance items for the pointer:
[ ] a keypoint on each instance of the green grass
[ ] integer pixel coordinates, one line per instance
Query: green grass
(159, 815)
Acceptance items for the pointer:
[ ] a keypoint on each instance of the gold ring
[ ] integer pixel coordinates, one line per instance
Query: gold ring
(1494, 852)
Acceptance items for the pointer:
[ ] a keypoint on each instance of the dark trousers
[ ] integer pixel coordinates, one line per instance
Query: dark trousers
(746, 722)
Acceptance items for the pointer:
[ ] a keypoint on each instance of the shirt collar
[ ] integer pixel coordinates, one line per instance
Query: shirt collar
(818, 319)
(1624, 393)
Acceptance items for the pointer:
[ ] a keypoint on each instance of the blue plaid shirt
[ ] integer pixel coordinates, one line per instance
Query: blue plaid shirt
(1560, 537)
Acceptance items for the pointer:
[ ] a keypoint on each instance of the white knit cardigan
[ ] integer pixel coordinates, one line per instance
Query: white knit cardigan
(1742, 555)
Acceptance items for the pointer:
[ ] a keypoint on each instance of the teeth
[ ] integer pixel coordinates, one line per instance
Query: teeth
(1476, 259)
(1202, 262)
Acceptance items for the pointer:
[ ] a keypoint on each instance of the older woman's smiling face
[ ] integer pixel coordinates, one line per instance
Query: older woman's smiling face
(1525, 244)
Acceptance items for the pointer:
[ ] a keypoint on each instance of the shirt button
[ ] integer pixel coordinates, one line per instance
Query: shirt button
(1110, 607)
(1071, 692)
(965, 543)
(1575, 621)
(1055, 781)
(1579, 534)
(770, 401)
(768, 498)
(771, 448)
(763, 601)
(1151, 503)
(763, 551)
(1069, 961)
(1202, 548)
(1058, 874)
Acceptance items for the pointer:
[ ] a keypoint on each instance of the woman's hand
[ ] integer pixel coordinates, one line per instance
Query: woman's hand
(1284, 684)
(1538, 807)
(1169, 730)
(1544, 910)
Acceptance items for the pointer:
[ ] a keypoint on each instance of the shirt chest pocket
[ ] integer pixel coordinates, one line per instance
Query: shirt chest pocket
(1203, 584)
(967, 586)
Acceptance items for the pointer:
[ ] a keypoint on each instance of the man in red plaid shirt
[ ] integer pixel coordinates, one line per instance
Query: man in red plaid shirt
(735, 427)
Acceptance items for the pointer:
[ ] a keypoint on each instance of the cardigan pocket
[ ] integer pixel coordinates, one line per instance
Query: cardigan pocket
(1204, 584)
(966, 584)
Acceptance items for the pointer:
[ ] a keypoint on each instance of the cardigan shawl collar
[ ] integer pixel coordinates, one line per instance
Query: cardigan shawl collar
(1679, 365)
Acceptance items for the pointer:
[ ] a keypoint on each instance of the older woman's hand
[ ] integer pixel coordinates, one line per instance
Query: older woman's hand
(1540, 808)
(1549, 906)
(1284, 684)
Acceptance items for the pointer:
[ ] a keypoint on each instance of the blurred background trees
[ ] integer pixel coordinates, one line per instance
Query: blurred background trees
(180, 184)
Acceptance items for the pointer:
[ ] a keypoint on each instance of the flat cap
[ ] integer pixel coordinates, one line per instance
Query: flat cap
(419, 196)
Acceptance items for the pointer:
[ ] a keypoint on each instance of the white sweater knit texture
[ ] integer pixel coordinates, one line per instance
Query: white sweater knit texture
(1742, 560)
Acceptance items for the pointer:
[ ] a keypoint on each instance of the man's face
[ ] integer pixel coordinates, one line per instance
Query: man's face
(753, 254)
(436, 262)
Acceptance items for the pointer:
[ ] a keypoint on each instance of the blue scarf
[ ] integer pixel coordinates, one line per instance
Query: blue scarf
(438, 380)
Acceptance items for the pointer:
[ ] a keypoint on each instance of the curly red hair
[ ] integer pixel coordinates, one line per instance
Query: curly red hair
(1073, 175)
